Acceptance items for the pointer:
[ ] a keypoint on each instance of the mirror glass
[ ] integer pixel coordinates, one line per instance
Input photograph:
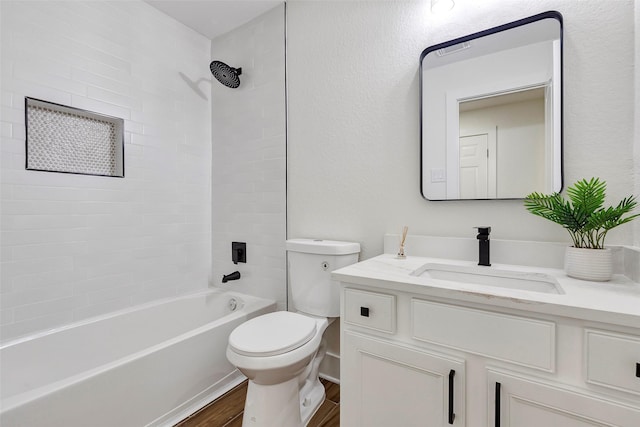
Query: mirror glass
(491, 112)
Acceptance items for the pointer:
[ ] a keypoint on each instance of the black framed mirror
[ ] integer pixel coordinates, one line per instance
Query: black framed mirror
(491, 112)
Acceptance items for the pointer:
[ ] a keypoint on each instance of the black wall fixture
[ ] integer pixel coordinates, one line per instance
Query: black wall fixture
(238, 252)
(228, 76)
(233, 276)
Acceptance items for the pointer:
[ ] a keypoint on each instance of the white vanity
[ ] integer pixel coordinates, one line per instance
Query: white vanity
(427, 341)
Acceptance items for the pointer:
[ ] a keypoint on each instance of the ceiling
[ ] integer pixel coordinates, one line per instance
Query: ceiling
(213, 18)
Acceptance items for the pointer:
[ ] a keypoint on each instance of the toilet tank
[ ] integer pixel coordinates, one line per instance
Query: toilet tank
(310, 263)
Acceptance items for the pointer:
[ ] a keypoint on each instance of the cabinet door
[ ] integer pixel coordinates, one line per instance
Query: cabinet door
(387, 384)
(523, 402)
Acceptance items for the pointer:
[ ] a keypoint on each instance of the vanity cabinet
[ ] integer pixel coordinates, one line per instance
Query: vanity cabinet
(397, 385)
(391, 383)
(525, 402)
(414, 360)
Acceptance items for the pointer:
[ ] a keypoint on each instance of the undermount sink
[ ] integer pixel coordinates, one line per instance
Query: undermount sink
(489, 276)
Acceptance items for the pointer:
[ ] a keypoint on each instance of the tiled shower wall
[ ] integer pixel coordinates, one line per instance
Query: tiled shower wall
(76, 246)
(249, 158)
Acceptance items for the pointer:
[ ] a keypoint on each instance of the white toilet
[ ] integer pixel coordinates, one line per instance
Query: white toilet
(281, 352)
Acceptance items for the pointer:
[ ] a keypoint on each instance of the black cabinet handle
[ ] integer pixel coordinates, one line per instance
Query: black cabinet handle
(364, 311)
(452, 416)
(497, 404)
(638, 370)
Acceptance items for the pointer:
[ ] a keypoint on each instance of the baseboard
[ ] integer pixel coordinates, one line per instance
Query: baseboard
(330, 368)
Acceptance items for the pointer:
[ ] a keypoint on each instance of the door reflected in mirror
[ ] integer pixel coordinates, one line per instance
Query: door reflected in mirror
(491, 119)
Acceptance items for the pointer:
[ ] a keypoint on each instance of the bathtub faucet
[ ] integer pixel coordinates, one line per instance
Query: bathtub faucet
(233, 276)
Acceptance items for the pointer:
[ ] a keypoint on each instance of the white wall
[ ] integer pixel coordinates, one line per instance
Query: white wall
(76, 246)
(354, 115)
(249, 158)
(636, 144)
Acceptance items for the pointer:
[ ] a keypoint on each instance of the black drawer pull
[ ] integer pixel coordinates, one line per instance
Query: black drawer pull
(452, 416)
(638, 370)
(497, 404)
(364, 311)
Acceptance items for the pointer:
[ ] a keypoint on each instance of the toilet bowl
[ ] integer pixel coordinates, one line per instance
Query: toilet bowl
(284, 389)
(280, 353)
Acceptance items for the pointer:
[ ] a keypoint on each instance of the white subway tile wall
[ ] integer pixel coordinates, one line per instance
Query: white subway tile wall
(249, 158)
(75, 246)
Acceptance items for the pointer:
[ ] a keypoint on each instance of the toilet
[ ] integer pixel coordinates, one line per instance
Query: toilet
(280, 352)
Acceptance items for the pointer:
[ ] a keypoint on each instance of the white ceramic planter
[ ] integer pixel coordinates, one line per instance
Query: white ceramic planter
(589, 264)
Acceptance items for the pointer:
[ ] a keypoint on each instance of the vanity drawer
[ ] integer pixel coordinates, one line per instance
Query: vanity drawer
(370, 309)
(519, 340)
(613, 360)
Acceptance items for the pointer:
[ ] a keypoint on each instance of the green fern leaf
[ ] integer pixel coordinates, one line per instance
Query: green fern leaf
(583, 215)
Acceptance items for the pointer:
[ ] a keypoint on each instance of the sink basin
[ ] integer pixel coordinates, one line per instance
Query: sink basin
(489, 276)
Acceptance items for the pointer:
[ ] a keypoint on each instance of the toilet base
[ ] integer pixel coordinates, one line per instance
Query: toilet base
(311, 397)
(282, 405)
(291, 403)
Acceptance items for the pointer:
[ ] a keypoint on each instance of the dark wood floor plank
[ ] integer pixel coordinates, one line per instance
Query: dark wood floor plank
(236, 422)
(325, 408)
(226, 411)
(332, 391)
(332, 419)
(220, 411)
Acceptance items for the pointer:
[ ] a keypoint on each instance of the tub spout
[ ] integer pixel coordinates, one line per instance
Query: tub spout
(233, 276)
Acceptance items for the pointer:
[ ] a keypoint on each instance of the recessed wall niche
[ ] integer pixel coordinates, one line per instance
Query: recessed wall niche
(70, 140)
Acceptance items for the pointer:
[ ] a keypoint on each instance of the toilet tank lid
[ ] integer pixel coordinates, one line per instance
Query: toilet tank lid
(324, 247)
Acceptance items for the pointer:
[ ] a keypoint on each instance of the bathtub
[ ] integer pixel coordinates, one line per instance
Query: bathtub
(150, 365)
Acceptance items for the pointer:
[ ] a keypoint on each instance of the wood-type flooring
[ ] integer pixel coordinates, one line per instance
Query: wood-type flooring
(226, 411)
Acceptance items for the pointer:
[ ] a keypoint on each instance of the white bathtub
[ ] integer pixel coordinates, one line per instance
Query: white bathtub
(150, 365)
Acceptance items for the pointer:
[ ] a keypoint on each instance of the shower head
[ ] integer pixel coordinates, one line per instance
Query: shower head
(226, 75)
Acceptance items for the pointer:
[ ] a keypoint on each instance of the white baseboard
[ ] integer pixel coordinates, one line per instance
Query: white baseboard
(330, 368)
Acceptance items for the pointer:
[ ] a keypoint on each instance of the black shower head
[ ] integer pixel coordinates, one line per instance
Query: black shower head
(226, 75)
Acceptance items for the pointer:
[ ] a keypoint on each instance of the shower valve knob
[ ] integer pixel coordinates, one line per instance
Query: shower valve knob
(238, 252)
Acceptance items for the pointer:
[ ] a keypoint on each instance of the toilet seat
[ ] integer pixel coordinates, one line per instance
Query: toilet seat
(272, 334)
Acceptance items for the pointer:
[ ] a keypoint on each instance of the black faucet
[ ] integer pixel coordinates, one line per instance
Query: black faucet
(233, 276)
(483, 245)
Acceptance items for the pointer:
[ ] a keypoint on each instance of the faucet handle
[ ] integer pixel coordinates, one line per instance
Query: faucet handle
(483, 232)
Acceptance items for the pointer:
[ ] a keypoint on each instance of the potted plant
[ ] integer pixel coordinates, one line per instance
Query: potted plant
(587, 222)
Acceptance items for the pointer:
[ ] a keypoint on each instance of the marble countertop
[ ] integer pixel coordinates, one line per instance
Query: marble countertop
(616, 302)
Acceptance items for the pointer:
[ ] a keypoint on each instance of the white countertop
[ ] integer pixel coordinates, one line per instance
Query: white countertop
(616, 302)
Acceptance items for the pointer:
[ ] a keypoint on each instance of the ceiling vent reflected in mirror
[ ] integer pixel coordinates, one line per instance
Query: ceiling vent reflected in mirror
(441, 6)
(453, 49)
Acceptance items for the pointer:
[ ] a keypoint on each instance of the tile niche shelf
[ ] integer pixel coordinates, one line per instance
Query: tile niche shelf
(70, 140)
